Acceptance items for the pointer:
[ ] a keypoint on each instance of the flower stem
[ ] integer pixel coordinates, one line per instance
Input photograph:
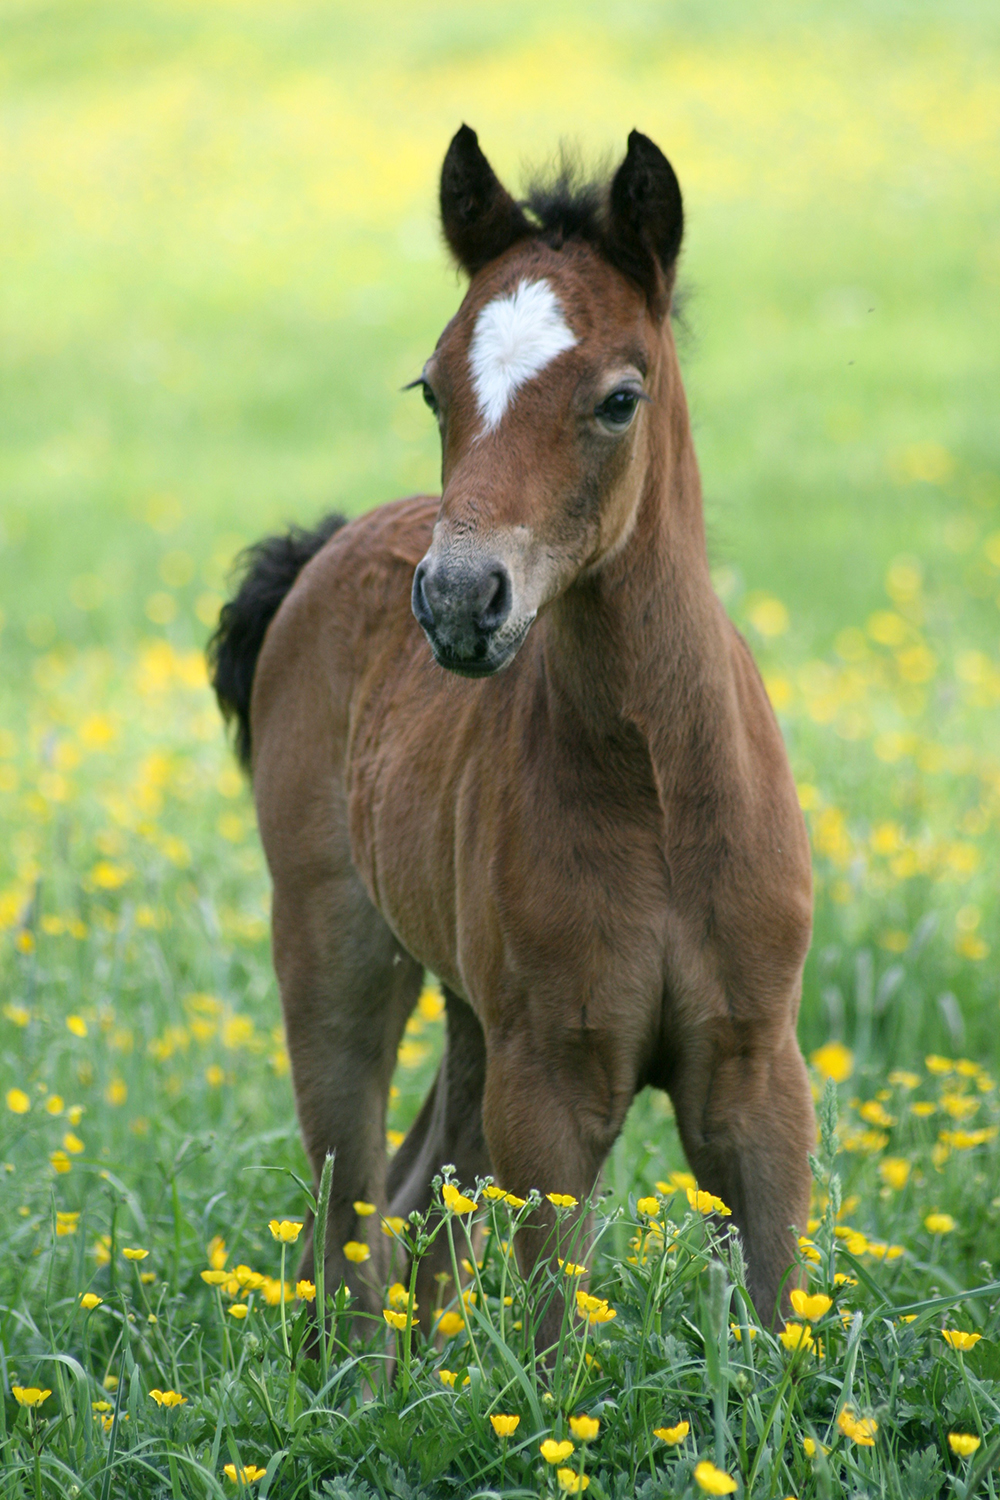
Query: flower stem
(284, 1324)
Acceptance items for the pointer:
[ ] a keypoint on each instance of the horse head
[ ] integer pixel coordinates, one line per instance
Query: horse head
(547, 385)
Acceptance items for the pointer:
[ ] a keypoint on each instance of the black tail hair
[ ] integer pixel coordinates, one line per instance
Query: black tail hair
(269, 569)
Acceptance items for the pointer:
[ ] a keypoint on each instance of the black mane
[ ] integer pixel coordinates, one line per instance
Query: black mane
(569, 205)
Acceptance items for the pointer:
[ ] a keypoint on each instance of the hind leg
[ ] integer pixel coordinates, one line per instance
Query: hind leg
(346, 990)
(448, 1130)
(747, 1125)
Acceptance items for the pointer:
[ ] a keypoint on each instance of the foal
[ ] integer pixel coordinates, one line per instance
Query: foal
(575, 807)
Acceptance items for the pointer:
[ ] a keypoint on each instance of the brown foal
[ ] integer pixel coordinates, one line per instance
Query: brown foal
(575, 807)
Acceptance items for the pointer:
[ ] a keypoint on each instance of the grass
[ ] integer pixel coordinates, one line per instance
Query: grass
(222, 265)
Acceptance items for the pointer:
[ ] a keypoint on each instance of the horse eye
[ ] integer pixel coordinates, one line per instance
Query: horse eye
(429, 397)
(617, 410)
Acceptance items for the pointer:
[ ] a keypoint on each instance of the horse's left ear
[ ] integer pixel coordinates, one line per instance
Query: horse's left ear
(646, 220)
(479, 217)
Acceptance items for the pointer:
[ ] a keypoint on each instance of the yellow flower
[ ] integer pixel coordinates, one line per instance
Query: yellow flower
(217, 1252)
(895, 1171)
(66, 1222)
(796, 1336)
(835, 1061)
(860, 1430)
(394, 1319)
(885, 1252)
(60, 1162)
(456, 1202)
(737, 1332)
(116, 1092)
(561, 1200)
(899, 1078)
(72, 1143)
(584, 1429)
(248, 1475)
(594, 1309)
(18, 1102)
(707, 1203)
(19, 1014)
(963, 1443)
(238, 1310)
(287, 1231)
(959, 1106)
(393, 1225)
(812, 1308)
(447, 1377)
(215, 1278)
(168, 1398)
(131, 1254)
(98, 1406)
(30, 1395)
(505, 1426)
(77, 1025)
(494, 1192)
(513, 1201)
(569, 1268)
(672, 1435)
(90, 1300)
(214, 1076)
(55, 1104)
(958, 1339)
(570, 1482)
(556, 1453)
(677, 1182)
(939, 1065)
(305, 1291)
(648, 1207)
(965, 1140)
(939, 1223)
(810, 1447)
(450, 1323)
(874, 1113)
(355, 1252)
(712, 1480)
(363, 1209)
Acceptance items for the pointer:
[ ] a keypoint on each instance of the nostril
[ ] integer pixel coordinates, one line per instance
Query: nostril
(419, 600)
(497, 600)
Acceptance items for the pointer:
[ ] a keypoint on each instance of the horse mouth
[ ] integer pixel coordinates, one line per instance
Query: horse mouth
(492, 657)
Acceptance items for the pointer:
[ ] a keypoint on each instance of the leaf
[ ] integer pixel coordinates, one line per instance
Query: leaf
(984, 1360)
(923, 1476)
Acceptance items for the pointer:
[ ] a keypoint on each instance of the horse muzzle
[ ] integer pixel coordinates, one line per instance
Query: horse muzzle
(465, 608)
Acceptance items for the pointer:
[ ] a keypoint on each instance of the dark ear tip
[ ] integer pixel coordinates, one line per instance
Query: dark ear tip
(464, 142)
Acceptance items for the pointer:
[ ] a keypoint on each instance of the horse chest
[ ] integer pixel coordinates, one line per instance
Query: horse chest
(503, 870)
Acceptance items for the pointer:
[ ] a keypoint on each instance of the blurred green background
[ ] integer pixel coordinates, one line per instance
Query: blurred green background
(221, 262)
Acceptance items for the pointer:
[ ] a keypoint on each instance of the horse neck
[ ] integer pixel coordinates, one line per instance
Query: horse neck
(642, 643)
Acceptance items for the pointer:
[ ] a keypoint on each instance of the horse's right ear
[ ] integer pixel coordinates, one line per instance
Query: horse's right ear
(479, 217)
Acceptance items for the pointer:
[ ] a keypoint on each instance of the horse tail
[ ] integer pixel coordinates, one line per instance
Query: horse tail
(269, 568)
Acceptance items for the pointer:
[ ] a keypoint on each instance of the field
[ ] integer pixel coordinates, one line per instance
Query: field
(221, 264)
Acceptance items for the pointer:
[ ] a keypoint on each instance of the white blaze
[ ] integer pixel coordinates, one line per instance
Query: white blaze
(515, 337)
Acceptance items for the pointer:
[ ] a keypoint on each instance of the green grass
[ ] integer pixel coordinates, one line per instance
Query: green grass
(221, 265)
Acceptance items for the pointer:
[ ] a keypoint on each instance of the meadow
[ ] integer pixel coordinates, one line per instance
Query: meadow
(221, 264)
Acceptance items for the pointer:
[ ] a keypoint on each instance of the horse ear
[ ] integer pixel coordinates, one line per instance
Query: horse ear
(646, 220)
(479, 217)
